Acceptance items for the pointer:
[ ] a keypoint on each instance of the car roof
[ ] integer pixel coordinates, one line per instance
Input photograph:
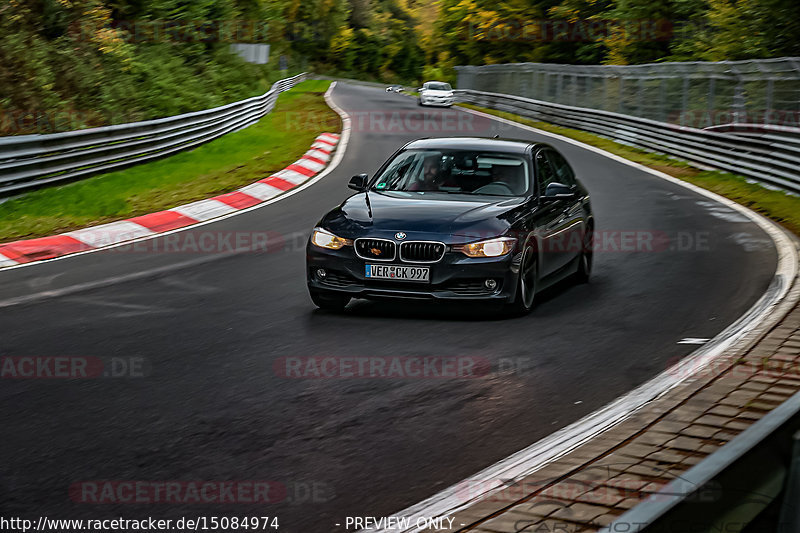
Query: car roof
(474, 143)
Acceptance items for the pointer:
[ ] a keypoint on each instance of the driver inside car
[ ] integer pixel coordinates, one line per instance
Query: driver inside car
(430, 175)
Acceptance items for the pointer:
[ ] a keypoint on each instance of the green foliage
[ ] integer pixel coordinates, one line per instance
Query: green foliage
(636, 31)
(79, 63)
(745, 29)
(68, 64)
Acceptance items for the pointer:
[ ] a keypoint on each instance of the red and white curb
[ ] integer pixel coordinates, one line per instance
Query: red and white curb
(310, 164)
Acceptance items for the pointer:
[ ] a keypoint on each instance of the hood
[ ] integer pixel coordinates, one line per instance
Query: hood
(440, 216)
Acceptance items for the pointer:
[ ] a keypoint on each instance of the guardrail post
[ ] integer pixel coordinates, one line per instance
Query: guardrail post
(685, 99)
(739, 98)
(640, 99)
(768, 102)
(790, 506)
(712, 85)
(574, 89)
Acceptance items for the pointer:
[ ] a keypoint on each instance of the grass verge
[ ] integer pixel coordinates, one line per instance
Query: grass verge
(223, 165)
(779, 206)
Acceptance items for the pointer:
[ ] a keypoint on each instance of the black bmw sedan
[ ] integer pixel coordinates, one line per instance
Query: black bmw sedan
(482, 220)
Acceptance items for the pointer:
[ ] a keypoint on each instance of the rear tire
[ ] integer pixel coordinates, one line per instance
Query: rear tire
(330, 302)
(527, 284)
(586, 259)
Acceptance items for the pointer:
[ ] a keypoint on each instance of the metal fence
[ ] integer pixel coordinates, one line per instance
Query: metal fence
(764, 155)
(31, 161)
(697, 94)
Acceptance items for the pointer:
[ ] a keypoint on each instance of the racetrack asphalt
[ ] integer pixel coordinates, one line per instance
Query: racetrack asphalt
(210, 326)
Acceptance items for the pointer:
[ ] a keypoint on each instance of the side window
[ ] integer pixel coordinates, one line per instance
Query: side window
(564, 173)
(544, 172)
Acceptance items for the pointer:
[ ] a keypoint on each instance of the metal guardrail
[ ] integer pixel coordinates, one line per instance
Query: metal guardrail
(773, 159)
(756, 471)
(32, 161)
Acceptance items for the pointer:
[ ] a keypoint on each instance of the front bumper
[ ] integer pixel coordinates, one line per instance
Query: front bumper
(433, 101)
(455, 277)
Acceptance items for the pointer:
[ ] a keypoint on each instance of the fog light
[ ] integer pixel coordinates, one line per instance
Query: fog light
(490, 284)
(321, 273)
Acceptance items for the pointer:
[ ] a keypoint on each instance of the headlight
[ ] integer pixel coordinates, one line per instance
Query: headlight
(490, 248)
(326, 239)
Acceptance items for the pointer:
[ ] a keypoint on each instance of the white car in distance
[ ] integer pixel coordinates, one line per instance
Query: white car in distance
(436, 93)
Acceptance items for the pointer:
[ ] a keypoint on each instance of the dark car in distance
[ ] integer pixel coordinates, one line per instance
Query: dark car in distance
(472, 219)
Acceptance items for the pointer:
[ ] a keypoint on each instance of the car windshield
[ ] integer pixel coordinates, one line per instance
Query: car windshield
(455, 171)
(439, 87)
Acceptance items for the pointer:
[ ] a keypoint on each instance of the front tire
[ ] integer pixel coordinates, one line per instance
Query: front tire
(527, 283)
(330, 302)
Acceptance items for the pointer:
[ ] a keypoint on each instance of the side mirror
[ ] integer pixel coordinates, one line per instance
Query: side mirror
(358, 182)
(558, 191)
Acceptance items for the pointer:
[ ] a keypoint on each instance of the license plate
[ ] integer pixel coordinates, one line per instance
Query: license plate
(398, 272)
